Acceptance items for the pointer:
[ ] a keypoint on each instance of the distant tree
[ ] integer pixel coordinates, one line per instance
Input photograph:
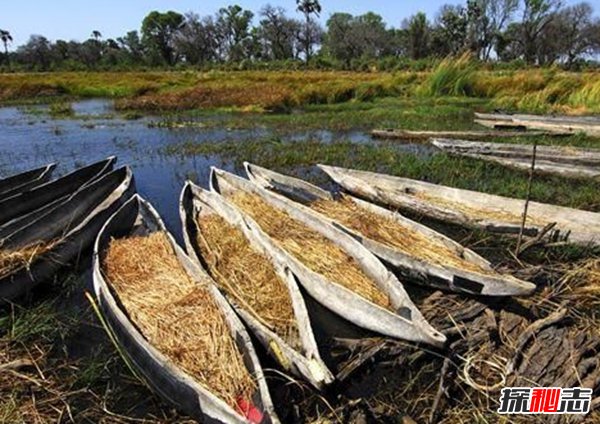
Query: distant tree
(132, 47)
(158, 34)
(36, 53)
(417, 36)
(6, 40)
(277, 33)
(96, 35)
(497, 15)
(233, 25)
(536, 16)
(449, 33)
(577, 31)
(197, 42)
(311, 34)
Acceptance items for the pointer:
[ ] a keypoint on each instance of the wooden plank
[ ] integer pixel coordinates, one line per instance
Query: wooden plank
(561, 119)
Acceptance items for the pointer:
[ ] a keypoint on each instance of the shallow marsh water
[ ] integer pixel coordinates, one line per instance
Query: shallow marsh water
(29, 137)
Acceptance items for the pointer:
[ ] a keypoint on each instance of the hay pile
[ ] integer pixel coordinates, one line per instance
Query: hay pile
(314, 250)
(393, 234)
(179, 317)
(581, 286)
(479, 213)
(247, 277)
(14, 260)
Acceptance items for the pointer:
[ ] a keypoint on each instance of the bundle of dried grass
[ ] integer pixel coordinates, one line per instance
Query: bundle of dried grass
(12, 260)
(179, 317)
(247, 276)
(393, 234)
(479, 213)
(313, 249)
(581, 286)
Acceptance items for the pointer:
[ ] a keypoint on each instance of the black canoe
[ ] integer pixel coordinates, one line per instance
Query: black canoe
(15, 184)
(53, 191)
(138, 217)
(72, 225)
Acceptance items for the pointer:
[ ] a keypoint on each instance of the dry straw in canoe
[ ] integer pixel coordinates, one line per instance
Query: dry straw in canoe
(247, 276)
(314, 250)
(12, 260)
(393, 234)
(177, 316)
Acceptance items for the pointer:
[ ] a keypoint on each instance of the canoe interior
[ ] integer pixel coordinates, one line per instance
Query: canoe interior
(16, 184)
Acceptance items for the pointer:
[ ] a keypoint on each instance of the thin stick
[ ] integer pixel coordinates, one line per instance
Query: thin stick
(525, 210)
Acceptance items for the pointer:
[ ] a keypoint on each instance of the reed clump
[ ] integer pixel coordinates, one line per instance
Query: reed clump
(311, 248)
(12, 260)
(247, 276)
(177, 316)
(394, 234)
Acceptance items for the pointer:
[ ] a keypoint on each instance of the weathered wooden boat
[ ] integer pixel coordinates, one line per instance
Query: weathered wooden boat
(557, 124)
(559, 154)
(63, 233)
(400, 134)
(566, 161)
(138, 217)
(468, 208)
(15, 184)
(53, 191)
(402, 320)
(300, 356)
(427, 257)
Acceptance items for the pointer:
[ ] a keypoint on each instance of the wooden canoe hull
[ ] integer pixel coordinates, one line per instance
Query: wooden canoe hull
(74, 222)
(196, 203)
(170, 382)
(416, 269)
(11, 186)
(408, 323)
(23, 203)
(573, 225)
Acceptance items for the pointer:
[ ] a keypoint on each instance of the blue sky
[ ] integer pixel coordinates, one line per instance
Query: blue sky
(75, 19)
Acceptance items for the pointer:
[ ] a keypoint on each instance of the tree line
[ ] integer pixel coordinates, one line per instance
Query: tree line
(531, 32)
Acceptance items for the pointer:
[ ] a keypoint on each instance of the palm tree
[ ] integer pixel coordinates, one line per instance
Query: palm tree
(97, 35)
(308, 8)
(6, 39)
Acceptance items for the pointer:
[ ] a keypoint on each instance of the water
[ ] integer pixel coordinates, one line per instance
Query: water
(29, 138)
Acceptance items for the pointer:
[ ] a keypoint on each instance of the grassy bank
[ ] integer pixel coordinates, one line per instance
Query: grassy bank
(534, 90)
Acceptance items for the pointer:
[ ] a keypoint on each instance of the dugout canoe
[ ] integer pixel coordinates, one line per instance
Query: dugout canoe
(557, 124)
(15, 184)
(407, 323)
(53, 191)
(486, 282)
(71, 227)
(559, 154)
(197, 204)
(138, 217)
(400, 134)
(468, 208)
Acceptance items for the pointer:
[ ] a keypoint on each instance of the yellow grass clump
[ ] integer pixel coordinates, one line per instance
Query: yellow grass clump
(582, 287)
(314, 250)
(247, 276)
(394, 234)
(12, 260)
(177, 316)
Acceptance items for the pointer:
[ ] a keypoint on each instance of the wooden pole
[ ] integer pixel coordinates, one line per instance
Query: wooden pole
(526, 208)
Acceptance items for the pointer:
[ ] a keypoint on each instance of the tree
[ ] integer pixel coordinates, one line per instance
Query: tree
(96, 35)
(197, 42)
(311, 34)
(577, 32)
(233, 24)
(536, 16)
(36, 53)
(498, 15)
(6, 40)
(277, 33)
(417, 36)
(450, 31)
(158, 34)
(132, 47)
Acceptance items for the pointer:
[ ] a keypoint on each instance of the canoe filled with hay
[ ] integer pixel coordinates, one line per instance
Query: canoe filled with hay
(16, 207)
(336, 270)
(35, 252)
(263, 291)
(414, 250)
(172, 325)
(15, 184)
(471, 209)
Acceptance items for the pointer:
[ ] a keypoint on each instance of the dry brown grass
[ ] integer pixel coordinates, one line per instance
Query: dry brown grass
(15, 260)
(581, 286)
(248, 277)
(314, 250)
(394, 234)
(179, 317)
